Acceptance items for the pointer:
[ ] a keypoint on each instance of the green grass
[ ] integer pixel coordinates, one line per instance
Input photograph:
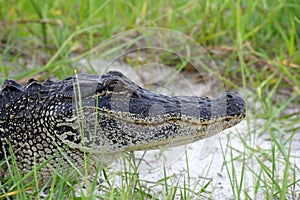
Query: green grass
(254, 43)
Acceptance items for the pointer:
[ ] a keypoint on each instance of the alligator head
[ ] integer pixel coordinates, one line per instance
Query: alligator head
(130, 118)
(88, 113)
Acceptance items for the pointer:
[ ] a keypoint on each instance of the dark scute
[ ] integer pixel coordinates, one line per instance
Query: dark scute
(31, 80)
(115, 73)
(2, 109)
(34, 87)
(1, 101)
(10, 92)
(10, 85)
(2, 156)
(48, 82)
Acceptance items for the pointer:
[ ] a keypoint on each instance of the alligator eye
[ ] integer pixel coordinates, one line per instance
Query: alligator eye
(135, 95)
(112, 85)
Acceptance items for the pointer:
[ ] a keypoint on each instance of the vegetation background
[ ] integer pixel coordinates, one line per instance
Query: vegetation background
(256, 44)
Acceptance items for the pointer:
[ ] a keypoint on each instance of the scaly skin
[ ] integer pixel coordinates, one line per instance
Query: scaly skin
(84, 120)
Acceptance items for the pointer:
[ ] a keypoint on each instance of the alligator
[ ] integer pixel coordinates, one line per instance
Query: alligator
(84, 120)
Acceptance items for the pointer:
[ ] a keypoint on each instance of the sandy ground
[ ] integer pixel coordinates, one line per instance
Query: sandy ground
(205, 158)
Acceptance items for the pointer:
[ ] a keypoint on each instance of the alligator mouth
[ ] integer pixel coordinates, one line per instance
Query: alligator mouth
(191, 130)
